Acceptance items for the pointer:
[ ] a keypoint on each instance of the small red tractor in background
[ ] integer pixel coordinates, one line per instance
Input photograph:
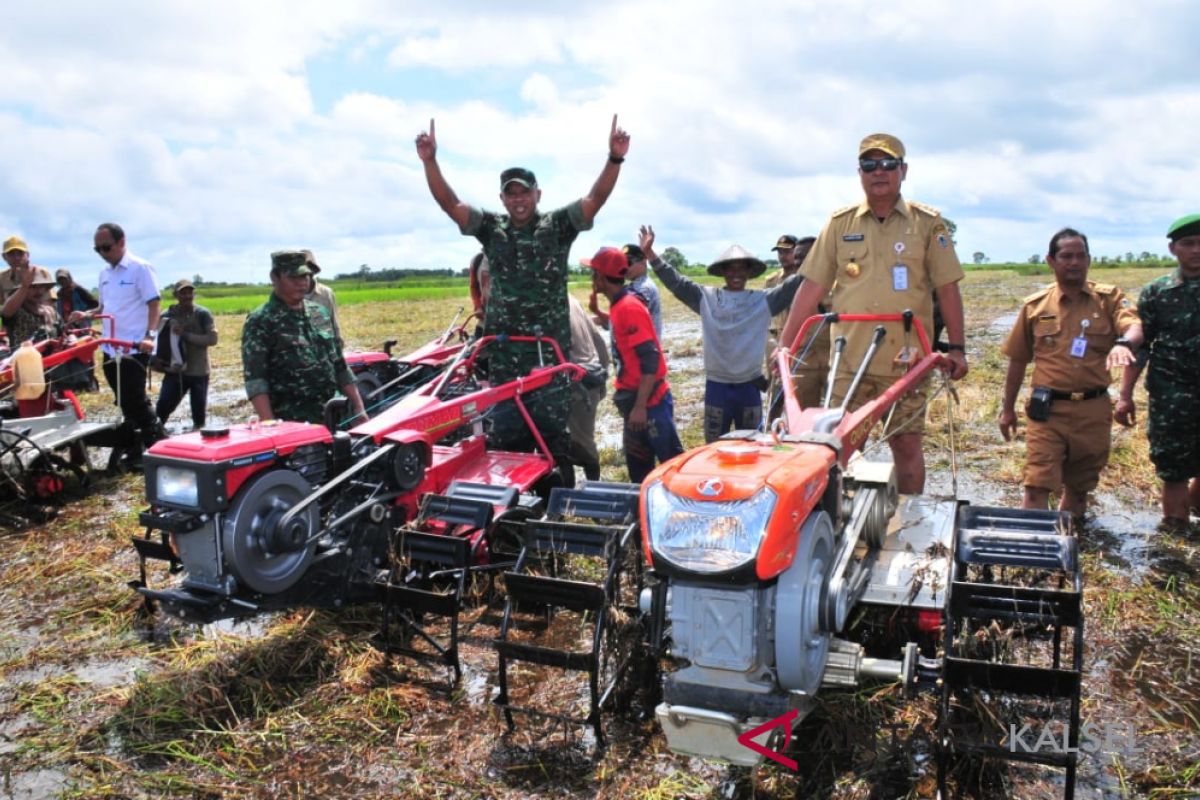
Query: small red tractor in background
(382, 378)
(44, 435)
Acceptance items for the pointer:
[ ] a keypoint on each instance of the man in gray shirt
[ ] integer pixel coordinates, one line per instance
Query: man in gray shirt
(733, 325)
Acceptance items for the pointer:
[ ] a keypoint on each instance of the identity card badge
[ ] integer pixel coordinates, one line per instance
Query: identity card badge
(899, 272)
(1079, 343)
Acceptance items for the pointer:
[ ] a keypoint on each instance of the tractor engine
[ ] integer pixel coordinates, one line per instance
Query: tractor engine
(226, 502)
(749, 540)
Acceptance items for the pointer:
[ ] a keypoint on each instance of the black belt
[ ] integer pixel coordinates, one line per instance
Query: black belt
(1088, 395)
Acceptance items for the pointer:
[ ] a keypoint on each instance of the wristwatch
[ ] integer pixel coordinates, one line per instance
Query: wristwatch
(1123, 342)
(962, 348)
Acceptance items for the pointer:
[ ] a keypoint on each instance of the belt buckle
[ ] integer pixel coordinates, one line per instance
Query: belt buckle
(1077, 395)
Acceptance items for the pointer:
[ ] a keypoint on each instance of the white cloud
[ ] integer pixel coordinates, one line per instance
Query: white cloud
(202, 128)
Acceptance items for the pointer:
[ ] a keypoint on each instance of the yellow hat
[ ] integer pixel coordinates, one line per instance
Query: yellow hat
(882, 141)
(15, 243)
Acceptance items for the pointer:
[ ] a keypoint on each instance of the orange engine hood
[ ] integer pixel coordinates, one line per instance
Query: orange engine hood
(735, 470)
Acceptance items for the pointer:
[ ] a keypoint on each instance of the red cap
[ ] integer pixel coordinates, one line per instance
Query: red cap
(609, 262)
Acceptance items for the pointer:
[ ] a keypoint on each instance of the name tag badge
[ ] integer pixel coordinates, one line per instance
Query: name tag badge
(853, 237)
(900, 278)
(1078, 346)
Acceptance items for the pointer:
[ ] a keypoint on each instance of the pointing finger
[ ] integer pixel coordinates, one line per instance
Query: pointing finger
(431, 126)
(614, 126)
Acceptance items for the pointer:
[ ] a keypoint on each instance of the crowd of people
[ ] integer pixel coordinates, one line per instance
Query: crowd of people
(883, 254)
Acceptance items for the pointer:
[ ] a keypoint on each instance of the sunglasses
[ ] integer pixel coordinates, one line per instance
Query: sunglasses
(872, 164)
(104, 248)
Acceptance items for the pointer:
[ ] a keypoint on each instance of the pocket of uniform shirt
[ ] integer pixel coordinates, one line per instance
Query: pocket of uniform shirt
(850, 252)
(1045, 333)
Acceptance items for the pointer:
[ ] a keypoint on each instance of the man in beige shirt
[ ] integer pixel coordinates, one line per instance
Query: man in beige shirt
(323, 296)
(885, 255)
(590, 351)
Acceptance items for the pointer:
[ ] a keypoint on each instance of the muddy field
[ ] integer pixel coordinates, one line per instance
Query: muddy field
(99, 701)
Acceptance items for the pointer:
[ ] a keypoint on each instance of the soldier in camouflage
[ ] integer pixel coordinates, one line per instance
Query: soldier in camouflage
(1170, 311)
(290, 358)
(527, 253)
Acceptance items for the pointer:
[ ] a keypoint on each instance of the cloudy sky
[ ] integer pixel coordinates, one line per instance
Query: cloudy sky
(216, 132)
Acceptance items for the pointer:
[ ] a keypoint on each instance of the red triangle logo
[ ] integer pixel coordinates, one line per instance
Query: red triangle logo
(785, 722)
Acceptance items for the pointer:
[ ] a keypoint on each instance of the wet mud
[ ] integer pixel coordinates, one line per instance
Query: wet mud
(302, 704)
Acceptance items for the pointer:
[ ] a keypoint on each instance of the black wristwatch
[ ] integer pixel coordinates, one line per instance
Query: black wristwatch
(1123, 342)
(962, 348)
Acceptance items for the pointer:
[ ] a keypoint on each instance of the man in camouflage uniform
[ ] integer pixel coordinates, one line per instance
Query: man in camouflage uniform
(290, 358)
(885, 255)
(527, 253)
(1170, 311)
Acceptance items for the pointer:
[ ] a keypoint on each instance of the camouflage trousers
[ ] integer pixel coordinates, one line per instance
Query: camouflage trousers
(549, 407)
(1173, 428)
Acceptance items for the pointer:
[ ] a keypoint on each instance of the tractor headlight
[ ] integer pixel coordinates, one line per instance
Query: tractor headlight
(704, 536)
(177, 485)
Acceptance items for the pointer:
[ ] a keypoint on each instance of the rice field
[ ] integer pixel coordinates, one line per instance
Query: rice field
(100, 701)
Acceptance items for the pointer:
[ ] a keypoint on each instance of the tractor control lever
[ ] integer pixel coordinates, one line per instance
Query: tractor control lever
(839, 344)
(876, 338)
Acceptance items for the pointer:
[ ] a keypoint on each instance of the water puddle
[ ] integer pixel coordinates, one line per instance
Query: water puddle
(33, 785)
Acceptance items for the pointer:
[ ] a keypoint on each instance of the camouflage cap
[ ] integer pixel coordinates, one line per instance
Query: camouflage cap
(1184, 226)
(786, 242)
(519, 175)
(15, 243)
(180, 285)
(881, 141)
(633, 253)
(733, 254)
(292, 262)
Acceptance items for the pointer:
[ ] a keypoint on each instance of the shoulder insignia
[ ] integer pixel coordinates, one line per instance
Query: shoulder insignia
(928, 209)
(1038, 295)
(842, 211)
(1104, 288)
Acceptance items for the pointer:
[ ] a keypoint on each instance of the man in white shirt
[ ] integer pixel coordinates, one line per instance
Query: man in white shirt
(129, 293)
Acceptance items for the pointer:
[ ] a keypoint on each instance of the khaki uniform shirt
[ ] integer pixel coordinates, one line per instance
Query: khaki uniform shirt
(1048, 324)
(323, 296)
(884, 267)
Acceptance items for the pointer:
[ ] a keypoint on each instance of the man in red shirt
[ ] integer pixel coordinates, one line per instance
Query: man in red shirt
(642, 395)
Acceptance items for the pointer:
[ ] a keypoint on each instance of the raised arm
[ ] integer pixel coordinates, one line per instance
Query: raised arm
(17, 298)
(618, 146)
(685, 290)
(441, 191)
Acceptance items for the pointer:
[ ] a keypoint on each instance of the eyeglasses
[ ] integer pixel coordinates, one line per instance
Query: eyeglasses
(104, 248)
(872, 164)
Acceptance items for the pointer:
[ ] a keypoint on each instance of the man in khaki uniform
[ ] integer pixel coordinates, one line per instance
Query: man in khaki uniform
(885, 255)
(1074, 332)
(810, 379)
(323, 296)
